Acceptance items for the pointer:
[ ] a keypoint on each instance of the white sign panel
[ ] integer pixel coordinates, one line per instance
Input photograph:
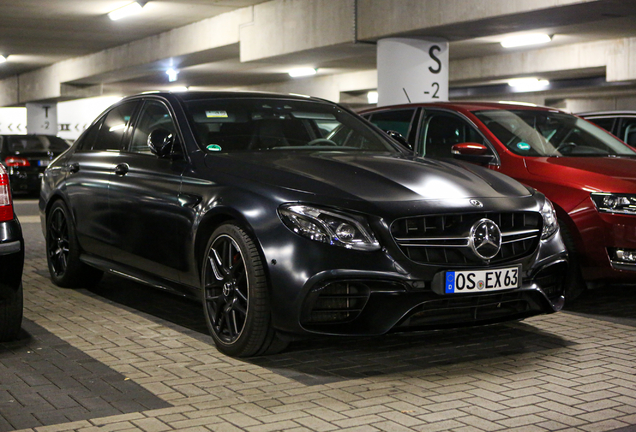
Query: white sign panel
(12, 121)
(76, 115)
(412, 70)
(42, 118)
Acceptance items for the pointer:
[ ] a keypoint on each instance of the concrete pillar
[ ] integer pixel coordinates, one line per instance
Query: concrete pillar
(412, 70)
(42, 118)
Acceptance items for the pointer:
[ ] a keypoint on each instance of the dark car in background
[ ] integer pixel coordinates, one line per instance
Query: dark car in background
(291, 216)
(25, 158)
(11, 264)
(588, 174)
(621, 123)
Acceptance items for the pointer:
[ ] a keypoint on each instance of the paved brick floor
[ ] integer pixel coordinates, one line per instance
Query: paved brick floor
(154, 369)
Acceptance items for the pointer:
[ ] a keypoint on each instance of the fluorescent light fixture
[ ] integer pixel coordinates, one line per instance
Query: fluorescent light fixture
(526, 39)
(2, 59)
(528, 84)
(372, 97)
(301, 72)
(126, 11)
(172, 75)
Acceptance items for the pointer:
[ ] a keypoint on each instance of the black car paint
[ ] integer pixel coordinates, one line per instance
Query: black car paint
(152, 221)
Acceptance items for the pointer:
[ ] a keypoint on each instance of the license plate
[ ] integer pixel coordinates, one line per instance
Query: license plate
(43, 163)
(472, 281)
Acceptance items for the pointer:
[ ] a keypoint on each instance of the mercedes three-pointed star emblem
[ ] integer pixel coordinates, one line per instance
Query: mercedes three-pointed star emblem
(485, 239)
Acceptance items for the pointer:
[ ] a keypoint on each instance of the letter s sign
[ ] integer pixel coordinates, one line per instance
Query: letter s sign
(431, 52)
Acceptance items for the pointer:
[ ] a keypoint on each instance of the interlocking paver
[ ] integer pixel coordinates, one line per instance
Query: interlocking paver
(558, 372)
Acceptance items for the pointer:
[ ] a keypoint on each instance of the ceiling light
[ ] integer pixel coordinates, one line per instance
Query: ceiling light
(528, 84)
(301, 72)
(527, 39)
(172, 75)
(372, 97)
(126, 11)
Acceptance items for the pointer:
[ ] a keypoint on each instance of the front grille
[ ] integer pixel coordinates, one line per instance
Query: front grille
(444, 239)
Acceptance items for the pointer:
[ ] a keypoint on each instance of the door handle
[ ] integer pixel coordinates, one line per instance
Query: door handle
(73, 167)
(121, 169)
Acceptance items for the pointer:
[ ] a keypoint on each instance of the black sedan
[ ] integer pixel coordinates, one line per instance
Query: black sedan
(27, 156)
(291, 216)
(11, 263)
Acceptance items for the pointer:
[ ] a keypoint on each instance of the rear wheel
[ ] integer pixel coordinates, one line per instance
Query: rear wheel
(63, 251)
(235, 296)
(11, 316)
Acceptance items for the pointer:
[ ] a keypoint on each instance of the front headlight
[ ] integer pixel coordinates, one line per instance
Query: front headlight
(550, 223)
(327, 226)
(614, 202)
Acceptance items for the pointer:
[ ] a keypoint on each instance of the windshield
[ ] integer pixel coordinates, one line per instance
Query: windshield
(546, 133)
(251, 124)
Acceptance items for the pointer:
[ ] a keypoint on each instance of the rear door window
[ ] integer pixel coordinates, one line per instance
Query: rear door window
(114, 127)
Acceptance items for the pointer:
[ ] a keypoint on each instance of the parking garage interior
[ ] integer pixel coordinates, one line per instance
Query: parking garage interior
(116, 357)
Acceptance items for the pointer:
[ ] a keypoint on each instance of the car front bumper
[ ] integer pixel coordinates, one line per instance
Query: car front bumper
(348, 292)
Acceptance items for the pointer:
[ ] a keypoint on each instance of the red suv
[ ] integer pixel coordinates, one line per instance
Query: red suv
(587, 173)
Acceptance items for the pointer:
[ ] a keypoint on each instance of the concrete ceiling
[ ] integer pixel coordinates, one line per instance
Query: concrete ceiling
(36, 33)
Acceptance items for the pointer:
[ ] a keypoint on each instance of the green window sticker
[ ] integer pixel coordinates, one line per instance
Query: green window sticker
(214, 147)
(216, 114)
(523, 146)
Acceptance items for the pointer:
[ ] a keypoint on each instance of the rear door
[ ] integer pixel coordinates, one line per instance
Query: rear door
(88, 173)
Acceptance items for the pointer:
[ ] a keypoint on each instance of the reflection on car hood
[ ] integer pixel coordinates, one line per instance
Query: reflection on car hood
(607, 174)
(370, 177)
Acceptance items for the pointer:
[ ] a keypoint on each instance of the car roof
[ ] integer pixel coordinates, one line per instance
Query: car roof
(608, 113)
(202, 95)
(469, 106)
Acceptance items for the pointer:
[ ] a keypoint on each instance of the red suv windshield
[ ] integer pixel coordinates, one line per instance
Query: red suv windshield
(546, 133)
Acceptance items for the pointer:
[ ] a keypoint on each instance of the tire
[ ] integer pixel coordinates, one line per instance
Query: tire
(574, 282)
(63, 251)
(11, 317)
(235, 295)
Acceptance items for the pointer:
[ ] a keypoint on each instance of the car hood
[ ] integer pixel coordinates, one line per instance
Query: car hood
(369, 177)
(606, 174)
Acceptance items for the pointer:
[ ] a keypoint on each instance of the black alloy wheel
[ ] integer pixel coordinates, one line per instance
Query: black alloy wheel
(63, 251)
(58, 248)
(235, 296)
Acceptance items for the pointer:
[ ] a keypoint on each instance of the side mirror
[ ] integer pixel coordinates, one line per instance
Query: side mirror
(399, 138)
(473, 152)
(161, 142)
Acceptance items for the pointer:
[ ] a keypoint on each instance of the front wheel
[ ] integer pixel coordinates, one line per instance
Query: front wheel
(63, 251)
(235, 296)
